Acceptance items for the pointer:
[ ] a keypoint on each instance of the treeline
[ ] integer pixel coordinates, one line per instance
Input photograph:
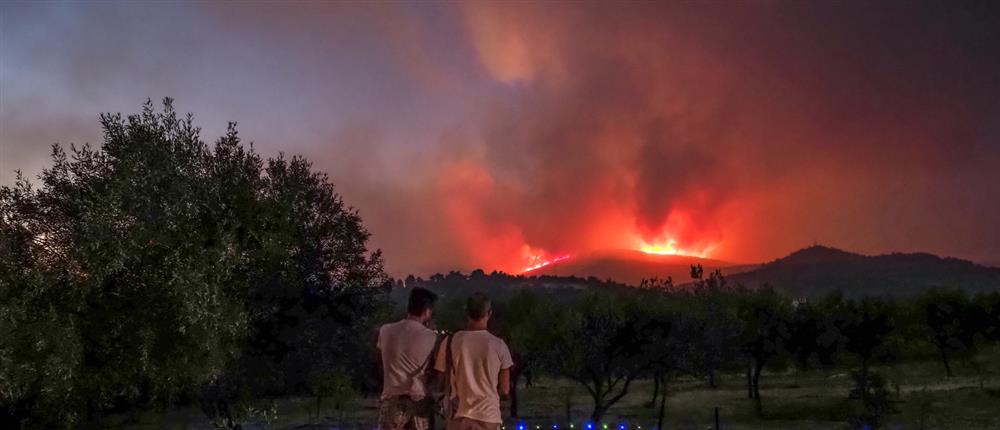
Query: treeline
(605, 339)
(158, 270)
(479, 280)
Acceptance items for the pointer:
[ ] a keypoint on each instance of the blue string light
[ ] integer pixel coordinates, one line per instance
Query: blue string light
(586, 425)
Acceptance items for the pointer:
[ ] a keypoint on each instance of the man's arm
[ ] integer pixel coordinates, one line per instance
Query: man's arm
(506, 362)
(378, 370)
(504, 383)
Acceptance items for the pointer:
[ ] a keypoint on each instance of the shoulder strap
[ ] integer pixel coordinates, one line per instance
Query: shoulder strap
(449, 359)
(429, 361)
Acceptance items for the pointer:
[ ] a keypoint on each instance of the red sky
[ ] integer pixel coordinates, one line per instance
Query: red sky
(483, 134)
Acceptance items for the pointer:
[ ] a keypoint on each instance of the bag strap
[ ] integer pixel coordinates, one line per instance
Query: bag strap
(450, 408)
(429, 361)
(449, 359)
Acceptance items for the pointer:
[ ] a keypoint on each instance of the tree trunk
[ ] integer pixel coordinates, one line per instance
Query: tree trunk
(663, 407)
(758, 404)
(711, 379)
(513, 396)
(656, 390)
(944, 358)
(319, 401)
(597, 413)
(749, 379)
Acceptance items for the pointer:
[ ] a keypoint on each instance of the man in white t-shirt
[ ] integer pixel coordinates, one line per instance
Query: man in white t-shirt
(480, 370)
(405, 348)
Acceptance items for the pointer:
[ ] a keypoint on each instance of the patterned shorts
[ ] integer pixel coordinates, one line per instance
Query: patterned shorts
(402, 413)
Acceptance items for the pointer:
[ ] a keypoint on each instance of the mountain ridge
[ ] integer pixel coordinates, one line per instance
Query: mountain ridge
(818, 270)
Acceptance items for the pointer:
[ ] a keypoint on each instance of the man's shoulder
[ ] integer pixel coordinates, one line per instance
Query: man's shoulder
(425, 332)
(413, 328)
(497, 342)
(486, 337)
(392, 325)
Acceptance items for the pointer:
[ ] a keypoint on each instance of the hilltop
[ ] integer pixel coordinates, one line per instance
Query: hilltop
(820, 270)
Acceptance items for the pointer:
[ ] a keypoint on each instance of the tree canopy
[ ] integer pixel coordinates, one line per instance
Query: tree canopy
(140, 270)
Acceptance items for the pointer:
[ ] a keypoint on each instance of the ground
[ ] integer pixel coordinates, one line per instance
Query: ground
(792, 400)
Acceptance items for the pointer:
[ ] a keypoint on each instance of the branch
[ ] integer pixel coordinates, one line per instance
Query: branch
(581, 381)
(616, 398)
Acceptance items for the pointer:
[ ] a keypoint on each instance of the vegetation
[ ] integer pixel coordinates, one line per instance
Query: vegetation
(157, 270)
(606, 338)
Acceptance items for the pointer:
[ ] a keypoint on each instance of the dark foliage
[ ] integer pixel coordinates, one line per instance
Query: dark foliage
(156, 269)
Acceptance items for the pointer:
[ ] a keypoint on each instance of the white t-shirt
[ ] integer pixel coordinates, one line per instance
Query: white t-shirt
(405, 347)
(478, 358)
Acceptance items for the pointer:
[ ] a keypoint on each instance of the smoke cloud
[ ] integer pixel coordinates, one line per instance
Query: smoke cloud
(492, 135)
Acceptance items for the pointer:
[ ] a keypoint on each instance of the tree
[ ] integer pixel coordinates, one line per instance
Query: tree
(521, 315)
(597, 344)
(865, 327)
(766, 334)
(670, 340)
(951, 322)
(153, 261)
(989, 312)
(664, 338)
(143, 293)
(40, 350)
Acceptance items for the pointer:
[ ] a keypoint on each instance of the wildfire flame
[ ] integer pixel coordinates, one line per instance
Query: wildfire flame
(538, 262)
(670, 247)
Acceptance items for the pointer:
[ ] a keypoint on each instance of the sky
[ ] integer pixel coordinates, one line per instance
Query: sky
(498, 135)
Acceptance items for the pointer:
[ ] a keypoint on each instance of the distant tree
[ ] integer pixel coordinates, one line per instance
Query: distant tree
(714, 304)
(523, 314)
(599, 344)
(866, 327)
(664, 337)
(952, 324)
(663, 284)
(813, 339)
(989, 305)
(766, 335)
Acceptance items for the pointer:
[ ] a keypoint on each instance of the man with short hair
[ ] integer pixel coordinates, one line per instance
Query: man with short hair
(405, 348)
(479, 367)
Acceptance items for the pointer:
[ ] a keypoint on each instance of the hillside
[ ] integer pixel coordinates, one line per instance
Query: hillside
(819, 270)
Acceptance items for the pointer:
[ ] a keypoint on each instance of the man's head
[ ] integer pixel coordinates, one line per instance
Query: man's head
(478, 308)
(421, 304)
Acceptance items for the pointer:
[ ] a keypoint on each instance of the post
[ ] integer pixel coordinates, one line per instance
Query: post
(716, 418)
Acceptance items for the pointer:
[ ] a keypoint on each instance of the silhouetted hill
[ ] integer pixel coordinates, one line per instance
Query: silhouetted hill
(819, 270)
(631, 267)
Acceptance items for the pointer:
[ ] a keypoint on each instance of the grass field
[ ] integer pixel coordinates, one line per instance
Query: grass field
(792, 400)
